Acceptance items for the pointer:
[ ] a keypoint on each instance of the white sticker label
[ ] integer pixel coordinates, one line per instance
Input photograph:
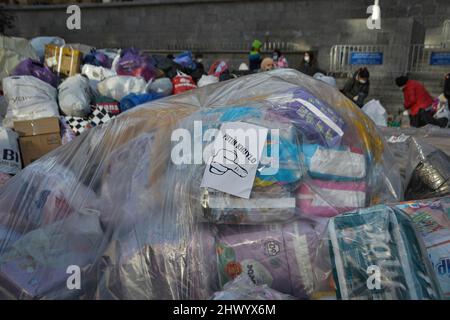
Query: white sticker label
(237, 152)
(401, 138)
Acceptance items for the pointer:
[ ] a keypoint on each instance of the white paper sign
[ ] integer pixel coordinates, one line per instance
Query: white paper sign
(236, 155)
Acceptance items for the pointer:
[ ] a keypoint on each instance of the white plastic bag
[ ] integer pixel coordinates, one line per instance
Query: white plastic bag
(97, 73)
(9, 152)
(206, 80)
(443, 110)
(74, 96)
(39, 44)
(162, 86)
(29, 98)
(118, 87)
(376, 112)
(327, 79)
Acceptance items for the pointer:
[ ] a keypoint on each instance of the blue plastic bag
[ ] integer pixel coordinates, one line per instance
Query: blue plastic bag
(132, 100)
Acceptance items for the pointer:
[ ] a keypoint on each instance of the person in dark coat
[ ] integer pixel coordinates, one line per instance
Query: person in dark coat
(357, 87)
(418, 102)
(309, 64)
(447, 87)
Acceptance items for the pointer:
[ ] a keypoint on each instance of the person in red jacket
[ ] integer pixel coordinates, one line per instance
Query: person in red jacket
(418, 102)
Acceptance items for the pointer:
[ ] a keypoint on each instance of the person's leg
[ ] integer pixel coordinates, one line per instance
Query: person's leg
(414, 121)
(427, 118)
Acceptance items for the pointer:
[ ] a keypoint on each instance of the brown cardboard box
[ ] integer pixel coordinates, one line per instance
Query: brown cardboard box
(37, 137)
(63, 60)
(34, 147)
(36, 127)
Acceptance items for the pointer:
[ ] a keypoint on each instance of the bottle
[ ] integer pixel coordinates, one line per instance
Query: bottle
(405, 120)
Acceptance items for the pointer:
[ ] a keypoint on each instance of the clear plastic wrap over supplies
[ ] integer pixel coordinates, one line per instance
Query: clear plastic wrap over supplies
(114, 214)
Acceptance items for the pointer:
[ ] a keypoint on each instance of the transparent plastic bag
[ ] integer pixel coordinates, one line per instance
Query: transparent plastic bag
(154, 235)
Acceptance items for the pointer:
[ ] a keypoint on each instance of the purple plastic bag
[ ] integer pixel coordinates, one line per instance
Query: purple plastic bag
(316, 120)
(29, 67)
(98, 59)
(132, 63)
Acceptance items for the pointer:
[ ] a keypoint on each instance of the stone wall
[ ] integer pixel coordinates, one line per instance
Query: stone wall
(231, 24)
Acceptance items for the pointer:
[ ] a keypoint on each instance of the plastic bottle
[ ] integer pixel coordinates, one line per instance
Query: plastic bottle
(405, 120)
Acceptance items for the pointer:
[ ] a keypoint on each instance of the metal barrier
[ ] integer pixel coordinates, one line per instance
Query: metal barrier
(398, 59)
(446, 31)
(420, 55)
(394, 60)
(219, 47)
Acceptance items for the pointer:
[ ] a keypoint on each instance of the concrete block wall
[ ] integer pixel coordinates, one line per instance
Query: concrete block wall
(311, 24)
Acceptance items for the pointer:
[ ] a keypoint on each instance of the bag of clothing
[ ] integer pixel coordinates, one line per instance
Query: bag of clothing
(29, 98)
(39, 43)
(118, 87)
(12, 51)
(131, 63)
(132, 100)
(109, 104)
(185, 60)
(10, 162)
(162, 86)
(97, 58)
(98, 116)
(430, 178)
(4, 178)
(97, 73)
(74, 96)
(218, 68)
(168, 66)
(182, 83)
(207, 80)
(376, 112)
(29, 67)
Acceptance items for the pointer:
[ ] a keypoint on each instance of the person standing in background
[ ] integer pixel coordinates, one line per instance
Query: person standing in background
(309, 64)
(357, 87)
(254, 57)
(279, 60)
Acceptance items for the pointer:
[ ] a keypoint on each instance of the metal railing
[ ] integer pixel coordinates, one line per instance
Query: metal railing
(397, 59)
(420, 55)
(174, 46)
(446, 31)
(394, 60)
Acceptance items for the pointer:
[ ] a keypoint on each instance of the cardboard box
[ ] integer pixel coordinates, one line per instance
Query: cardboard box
(63, 60)
(36, 127)
(37, 137)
